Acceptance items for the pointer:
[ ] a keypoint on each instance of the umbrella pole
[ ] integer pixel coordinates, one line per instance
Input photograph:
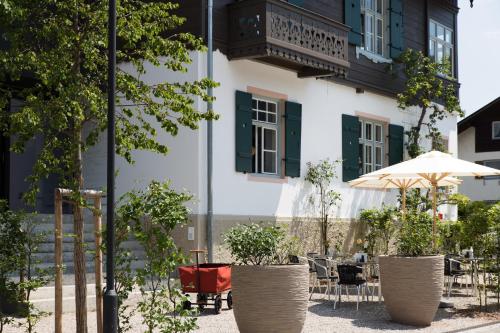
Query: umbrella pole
(434, 215)
(404, 202)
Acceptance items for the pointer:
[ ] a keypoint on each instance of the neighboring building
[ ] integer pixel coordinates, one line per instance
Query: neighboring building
(479, 141)
(300, 81)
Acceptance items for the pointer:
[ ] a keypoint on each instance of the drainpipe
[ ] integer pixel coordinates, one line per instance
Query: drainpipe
(210, 74)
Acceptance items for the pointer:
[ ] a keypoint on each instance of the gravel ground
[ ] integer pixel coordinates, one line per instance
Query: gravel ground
(321, 317)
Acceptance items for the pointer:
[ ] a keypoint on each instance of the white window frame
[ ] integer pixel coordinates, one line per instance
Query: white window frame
(493, 124)
(372, 144)
(266, 125)
(375, 33)
(436, 41)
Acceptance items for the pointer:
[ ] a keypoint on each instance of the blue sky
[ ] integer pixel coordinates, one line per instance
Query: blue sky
(478, 53)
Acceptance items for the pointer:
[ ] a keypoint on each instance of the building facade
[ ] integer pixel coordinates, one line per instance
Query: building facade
(479, 142)
(300, 81)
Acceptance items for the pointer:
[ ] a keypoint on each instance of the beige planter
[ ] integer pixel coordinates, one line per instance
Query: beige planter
(412, 287)
(269, 299)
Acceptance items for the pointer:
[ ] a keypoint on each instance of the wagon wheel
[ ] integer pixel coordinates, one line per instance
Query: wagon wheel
(202, 300)
(229, 300)
(218, 304)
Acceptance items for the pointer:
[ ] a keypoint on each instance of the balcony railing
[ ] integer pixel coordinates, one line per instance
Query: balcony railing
(282, 34)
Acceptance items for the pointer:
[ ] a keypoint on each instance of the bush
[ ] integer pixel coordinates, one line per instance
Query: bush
(381, 228)
(415, 235)
(255, 244)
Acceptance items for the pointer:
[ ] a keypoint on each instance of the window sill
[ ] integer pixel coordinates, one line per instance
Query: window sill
(372, 56)
(263, 178)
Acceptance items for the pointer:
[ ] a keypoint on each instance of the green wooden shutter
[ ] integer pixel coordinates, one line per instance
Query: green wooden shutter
(299, 3)
(243, 131)
(396, 28)
(352, 18)
(350, 147)
(293, 124)
(396, 143)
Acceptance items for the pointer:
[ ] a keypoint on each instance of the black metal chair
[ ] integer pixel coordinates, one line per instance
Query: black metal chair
(452, 271)
(323, 275)
(348, 277)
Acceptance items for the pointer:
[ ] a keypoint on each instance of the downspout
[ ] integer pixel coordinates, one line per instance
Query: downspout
(210, 74)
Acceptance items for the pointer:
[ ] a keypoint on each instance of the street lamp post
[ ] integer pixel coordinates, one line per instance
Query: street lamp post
(110, 322)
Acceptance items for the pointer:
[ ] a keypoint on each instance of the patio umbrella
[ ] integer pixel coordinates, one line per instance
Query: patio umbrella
(433, 166)
(402, 183)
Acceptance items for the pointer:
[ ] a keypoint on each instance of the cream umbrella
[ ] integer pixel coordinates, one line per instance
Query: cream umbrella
(402, 183)
(433, 166)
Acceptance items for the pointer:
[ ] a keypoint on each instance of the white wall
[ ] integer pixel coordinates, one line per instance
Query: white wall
(477, 189)
(181, 165)
(323, 104)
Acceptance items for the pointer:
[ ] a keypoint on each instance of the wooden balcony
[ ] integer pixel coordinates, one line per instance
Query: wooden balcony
(278, 33)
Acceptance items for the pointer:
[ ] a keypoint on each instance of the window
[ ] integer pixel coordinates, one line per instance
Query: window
(441, 44)
(372, 26)
(371, 146)
(495, 164)
(495, 130)
(264, 136)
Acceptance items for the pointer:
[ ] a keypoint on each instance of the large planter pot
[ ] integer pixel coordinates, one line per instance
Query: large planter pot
(269, 299)
(412, 287)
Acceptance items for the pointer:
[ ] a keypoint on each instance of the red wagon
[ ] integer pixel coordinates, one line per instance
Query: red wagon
(209, 282)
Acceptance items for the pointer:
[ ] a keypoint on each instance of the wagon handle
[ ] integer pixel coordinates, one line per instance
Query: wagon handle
(197, 252)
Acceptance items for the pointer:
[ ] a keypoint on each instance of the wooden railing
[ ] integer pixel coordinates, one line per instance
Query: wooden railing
(290, 35)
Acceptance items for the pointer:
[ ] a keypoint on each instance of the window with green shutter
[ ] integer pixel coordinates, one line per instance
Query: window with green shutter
(396, 28)
(243, 131)
(350, 147)
(293, 124)
(396, 144)
(352, 18)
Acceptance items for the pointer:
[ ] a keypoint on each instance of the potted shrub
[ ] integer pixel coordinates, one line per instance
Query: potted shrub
(412, 281)
(268, 294)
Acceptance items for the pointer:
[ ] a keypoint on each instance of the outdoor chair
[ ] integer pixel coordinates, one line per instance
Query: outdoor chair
(323, 275)
(452, 271)
(348, 277)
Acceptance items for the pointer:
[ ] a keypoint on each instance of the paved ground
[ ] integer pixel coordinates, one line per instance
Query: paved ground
(321, 317)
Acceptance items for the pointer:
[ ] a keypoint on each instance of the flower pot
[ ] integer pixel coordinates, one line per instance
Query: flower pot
(412, 287)
(270, 299)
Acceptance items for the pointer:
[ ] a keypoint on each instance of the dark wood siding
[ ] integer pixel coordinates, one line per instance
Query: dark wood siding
(364, 73)
(483, 125)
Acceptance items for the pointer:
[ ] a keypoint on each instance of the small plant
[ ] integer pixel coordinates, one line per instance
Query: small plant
(153, 214)
(381, 228)
(255, 244)
(415, 235)
(321, 176)
(35, 277)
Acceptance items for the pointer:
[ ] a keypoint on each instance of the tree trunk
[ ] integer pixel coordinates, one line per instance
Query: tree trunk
(79, 251)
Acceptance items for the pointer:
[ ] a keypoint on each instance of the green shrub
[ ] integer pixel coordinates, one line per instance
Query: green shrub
(380, 228)
(415, 235)
(255, 244)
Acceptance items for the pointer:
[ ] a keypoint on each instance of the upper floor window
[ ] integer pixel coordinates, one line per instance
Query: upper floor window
(373, 29)
(264, 136)
(495, 130)
(371, 146)
(441, 43)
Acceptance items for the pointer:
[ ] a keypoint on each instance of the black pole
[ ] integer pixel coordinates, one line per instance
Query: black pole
(110, 321)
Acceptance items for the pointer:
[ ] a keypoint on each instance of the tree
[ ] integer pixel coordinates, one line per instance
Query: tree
(425, 89)
(321, 176)
(62, 46)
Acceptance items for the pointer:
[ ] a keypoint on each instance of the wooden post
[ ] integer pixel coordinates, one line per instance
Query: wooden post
(58, 242)
(98, 262)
